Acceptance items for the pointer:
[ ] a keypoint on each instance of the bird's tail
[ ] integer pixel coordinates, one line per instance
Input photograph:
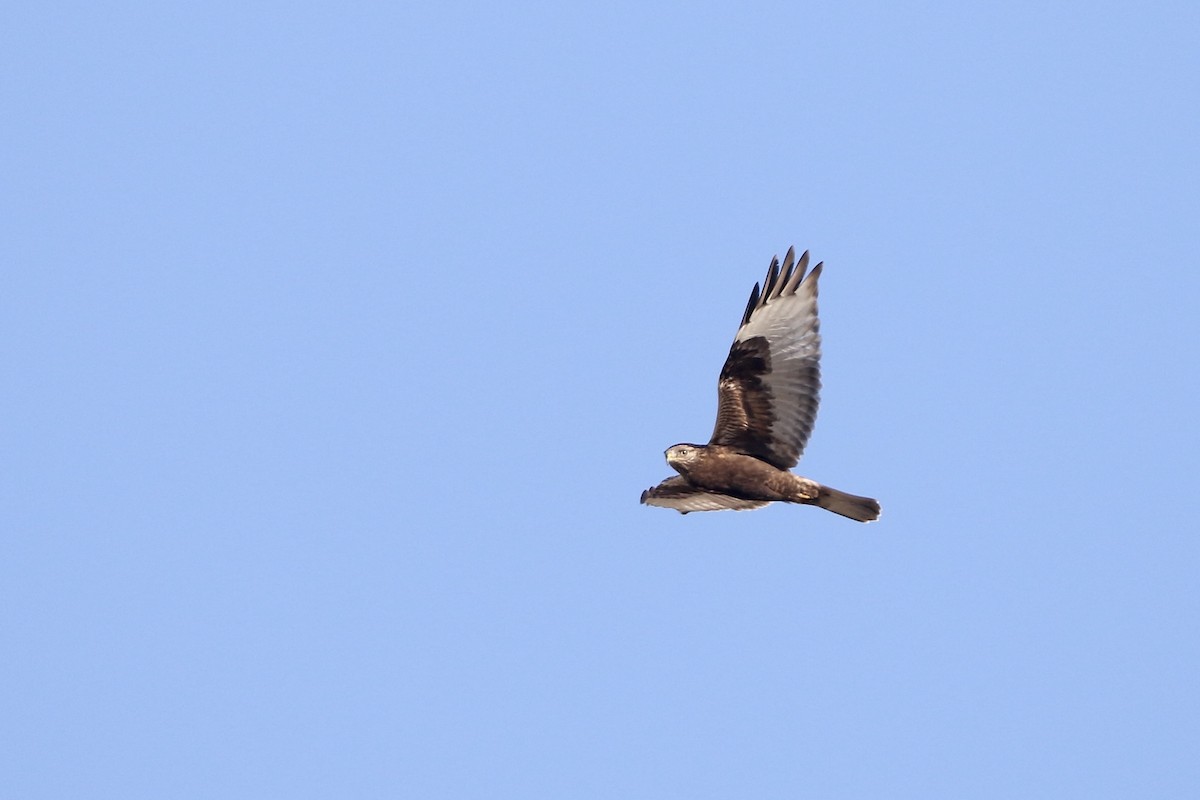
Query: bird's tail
(863, 509)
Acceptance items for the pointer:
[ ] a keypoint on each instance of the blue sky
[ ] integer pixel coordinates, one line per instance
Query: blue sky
(341, 340)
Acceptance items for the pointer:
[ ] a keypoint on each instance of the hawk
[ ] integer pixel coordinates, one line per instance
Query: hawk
(767, 403)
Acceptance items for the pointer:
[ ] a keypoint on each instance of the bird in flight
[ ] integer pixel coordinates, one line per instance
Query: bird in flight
(767, 403)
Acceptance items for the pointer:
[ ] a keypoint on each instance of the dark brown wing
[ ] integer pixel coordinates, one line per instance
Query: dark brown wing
(677, 493)
(770, 385)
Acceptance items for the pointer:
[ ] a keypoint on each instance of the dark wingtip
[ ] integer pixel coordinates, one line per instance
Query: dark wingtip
(751, 304)
(789, 264)
(780, 281)
(772, 281)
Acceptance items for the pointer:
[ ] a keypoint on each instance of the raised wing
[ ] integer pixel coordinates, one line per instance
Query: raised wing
(770, 385)
(677, 493)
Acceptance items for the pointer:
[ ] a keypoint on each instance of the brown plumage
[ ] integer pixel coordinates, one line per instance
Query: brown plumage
(767, 403)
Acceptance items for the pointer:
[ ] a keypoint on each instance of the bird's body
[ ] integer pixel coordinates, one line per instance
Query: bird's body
(723, 469)
(768, 393)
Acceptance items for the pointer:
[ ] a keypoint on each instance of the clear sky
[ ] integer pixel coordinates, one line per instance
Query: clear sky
(340, 340)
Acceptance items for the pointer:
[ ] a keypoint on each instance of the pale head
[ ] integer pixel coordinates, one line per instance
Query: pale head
(681, 455)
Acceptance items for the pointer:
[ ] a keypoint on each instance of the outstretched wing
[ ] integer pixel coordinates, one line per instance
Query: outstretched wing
(771, 381)
(677, 493)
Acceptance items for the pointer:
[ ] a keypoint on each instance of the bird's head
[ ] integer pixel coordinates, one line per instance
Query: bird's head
(680, 456)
